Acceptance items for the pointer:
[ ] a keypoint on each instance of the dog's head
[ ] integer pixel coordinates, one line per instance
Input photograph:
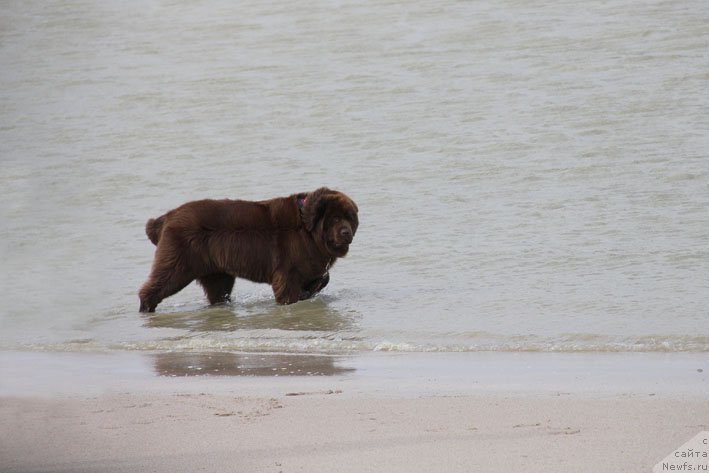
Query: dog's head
(332, 217)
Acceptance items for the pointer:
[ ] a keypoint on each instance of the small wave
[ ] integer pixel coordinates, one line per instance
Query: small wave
(347, 343)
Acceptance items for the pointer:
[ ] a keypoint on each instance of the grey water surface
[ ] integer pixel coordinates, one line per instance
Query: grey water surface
(530, 175)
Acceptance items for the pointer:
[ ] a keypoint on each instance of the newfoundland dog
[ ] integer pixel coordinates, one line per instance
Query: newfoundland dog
(288, 242)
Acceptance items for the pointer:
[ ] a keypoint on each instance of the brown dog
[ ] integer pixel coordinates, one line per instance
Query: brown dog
(288, 242)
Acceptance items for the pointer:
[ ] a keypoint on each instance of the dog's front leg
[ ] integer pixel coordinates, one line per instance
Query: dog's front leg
(315, 286)
(286, 287)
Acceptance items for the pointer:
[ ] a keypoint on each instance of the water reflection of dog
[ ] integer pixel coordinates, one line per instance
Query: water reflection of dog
(315, 315)
(238, 364)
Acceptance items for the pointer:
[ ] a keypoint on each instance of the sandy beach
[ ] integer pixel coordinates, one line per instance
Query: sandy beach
(328, 432)
(404, 413)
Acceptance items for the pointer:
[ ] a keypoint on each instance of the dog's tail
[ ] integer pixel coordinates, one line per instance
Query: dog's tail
(154, 229)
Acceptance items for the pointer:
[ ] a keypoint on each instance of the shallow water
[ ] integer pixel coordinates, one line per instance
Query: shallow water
(530, 176)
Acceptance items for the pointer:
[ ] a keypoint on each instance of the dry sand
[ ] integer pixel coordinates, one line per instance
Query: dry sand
(350, 422)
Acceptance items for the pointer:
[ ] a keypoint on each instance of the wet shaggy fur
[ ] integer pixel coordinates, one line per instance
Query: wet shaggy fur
(287, 242)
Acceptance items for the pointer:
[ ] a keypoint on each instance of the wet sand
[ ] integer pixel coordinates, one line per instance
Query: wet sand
(78, 412)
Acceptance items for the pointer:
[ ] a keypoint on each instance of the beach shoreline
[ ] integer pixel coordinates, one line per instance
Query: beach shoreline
(589, 374)
(370, 412)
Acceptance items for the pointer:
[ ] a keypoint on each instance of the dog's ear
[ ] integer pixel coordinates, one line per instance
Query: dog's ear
(314, 207)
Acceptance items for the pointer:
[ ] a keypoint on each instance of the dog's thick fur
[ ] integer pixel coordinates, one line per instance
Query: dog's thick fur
(288, 242)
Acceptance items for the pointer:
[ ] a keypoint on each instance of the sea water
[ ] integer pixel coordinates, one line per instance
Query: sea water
(530, 175)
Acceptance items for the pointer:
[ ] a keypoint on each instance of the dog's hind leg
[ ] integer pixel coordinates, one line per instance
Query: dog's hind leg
(162, 283)
(217, 287)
